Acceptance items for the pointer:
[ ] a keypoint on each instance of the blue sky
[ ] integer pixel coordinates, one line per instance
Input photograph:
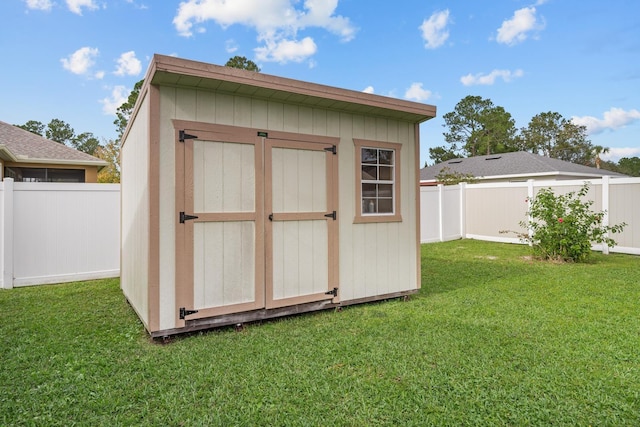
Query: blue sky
(77, 60)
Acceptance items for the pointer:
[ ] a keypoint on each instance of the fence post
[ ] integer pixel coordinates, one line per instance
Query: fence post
(605, 209)
(7, 234)
(529, 217)
(440, 212)
(463, 209)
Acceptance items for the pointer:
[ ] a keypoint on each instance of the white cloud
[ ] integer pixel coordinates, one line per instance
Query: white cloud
(45, 5)
(613, 119)
(286, 50)
(368, 89)
(434, 30)
(517, 29)
(119, 95)
(489, 79)
(76, 6)
(417, 93)
(80, 61)
(615, 154)
(230, 46)
(276, 22)
(128, 64)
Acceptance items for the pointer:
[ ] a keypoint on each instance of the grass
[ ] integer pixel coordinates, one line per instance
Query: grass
(491, 339)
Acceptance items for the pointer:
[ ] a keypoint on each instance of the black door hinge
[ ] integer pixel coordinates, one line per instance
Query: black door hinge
(184, 217)
(333, 215)
(333, 149)
(184, 312)
(333, 292)
(182, 135)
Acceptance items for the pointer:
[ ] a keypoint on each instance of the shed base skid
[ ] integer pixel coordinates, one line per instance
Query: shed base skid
(265, 314)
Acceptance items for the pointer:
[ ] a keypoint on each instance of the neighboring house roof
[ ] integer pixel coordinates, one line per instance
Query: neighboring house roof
(21, 146)
(516, 166)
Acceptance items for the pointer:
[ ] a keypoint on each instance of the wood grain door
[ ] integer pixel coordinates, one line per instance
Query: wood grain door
(220, 239)
(301, 224)
(257, 221)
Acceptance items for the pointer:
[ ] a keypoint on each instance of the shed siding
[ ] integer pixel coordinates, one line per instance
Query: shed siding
(375, 259)
(135, 226)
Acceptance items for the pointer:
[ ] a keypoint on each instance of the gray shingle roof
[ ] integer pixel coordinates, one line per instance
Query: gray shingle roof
(514, 164)
(19, 145)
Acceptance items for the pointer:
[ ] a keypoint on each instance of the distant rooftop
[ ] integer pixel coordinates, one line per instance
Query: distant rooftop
(19, 145)
(514, 165)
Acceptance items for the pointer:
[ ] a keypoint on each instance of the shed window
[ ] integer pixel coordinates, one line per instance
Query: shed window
(378, 181)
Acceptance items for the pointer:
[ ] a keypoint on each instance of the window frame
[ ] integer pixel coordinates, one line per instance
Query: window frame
(361, 217)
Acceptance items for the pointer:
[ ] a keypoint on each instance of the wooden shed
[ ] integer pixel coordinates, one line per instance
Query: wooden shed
(247, 196)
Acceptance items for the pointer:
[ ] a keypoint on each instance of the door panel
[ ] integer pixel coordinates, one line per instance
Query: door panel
(300, 196)
(300, 258)
(223, 177)
(224, 263)
(221, 268)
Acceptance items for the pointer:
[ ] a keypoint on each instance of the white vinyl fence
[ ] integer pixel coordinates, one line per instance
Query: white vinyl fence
(55, 232)
(493, 211)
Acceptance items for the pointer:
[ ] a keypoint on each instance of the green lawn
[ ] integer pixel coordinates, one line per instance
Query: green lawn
(492, 339)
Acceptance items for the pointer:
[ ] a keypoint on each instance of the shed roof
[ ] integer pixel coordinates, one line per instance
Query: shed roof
(171, 71)
(21, 146)
(513, 165)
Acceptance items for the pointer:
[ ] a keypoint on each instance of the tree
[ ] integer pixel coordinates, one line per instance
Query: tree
(629, 166)
(85, 142)
(551, 135)
(242, 63)
(610, 166)
(33, 126)
(477, 126)
(447, 176)
(109, 152)
(597, 150)
(441, 154)
(59, 131)
(123, 113)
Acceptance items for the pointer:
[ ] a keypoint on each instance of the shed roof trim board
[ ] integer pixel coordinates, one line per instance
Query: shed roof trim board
(171, 71)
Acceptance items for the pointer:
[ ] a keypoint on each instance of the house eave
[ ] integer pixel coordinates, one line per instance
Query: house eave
(99, 164)
(526, 176)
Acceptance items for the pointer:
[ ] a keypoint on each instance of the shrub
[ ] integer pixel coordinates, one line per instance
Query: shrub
(563, 227)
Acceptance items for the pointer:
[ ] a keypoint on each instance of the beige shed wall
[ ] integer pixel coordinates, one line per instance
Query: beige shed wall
(375, 259)
(134, 277)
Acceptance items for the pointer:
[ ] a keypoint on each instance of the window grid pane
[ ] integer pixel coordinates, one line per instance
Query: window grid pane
(377, 185)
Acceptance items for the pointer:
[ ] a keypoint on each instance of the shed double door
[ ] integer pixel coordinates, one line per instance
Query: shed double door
(257, 223)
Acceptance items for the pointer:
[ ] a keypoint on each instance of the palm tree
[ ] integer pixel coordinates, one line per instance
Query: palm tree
(597, 150)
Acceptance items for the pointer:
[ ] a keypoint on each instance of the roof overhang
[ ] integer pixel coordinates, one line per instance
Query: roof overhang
(8, 156)
(526, 176)
(177, 72)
